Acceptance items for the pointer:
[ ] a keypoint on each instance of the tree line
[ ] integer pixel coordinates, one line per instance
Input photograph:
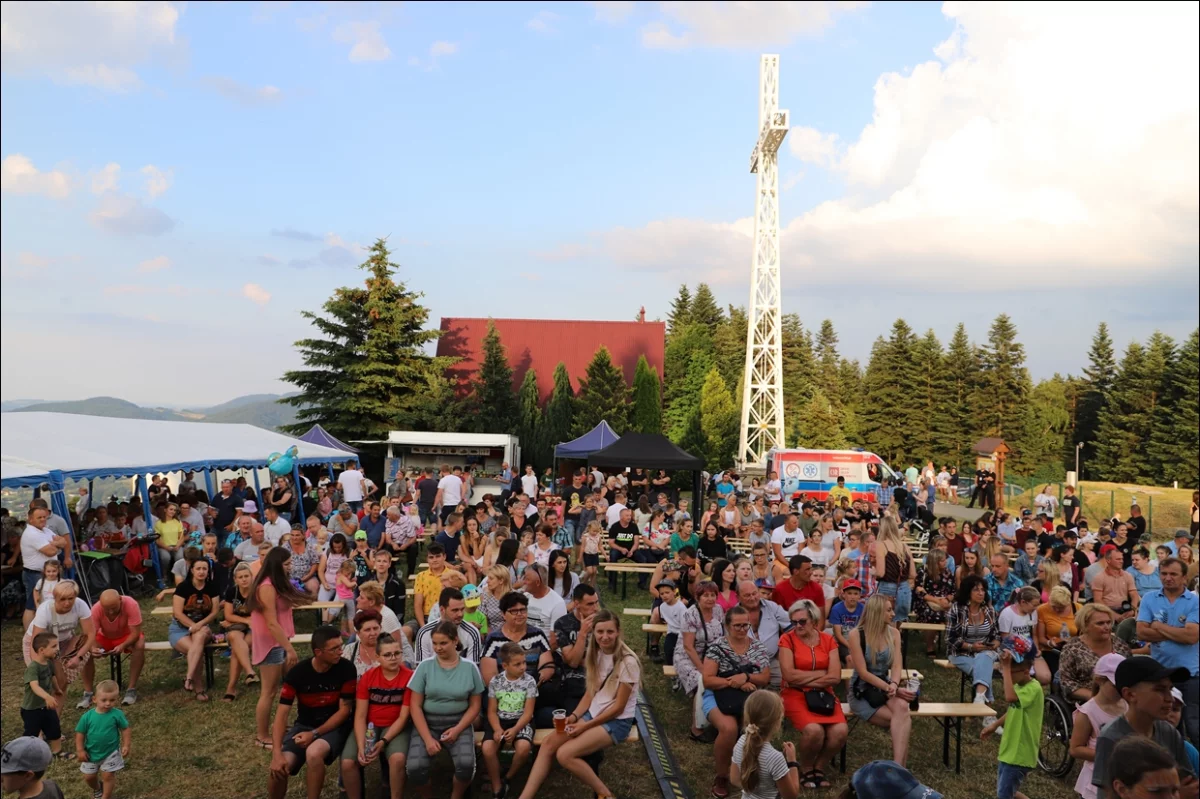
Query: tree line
(367, 373)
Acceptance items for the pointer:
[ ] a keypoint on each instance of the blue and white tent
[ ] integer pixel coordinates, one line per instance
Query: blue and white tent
(593, 440)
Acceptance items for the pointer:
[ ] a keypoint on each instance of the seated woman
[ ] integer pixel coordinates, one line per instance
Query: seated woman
(972, 643)
(703, 624)
(733, 668)
(1077, 662)
(382, 698)
(933, 595)
(1055, 626)
(656, 536)
(605, 715)
(516, 628)
(446, 697)
(712, 546)
(194, 607)
(810, 668)
(306, 557)
(363, 652)
(236, 626)
(875, 692)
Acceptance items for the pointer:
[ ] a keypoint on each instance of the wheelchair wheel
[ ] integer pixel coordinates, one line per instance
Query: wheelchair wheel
(1054, 751)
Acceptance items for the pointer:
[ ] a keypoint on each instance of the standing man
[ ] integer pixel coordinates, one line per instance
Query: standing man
(38, 545)
(1137, 522)
(977, 491)
(529, 482)
(449, 493)
(613, 513)
(227, 505)
(773, 488)
(597, 478)
(353, 486)
(426, 490)
(1169, 619)
(506, 478)
(573, 499)
(1070, 506)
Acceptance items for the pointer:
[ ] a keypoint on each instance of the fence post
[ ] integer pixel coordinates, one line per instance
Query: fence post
(1112, 503)
(1150, 518)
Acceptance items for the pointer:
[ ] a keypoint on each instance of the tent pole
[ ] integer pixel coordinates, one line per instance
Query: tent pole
(58, 504)
(144, 492)
(208, 480)
(297, 493)
(258, 493)
(331, 471)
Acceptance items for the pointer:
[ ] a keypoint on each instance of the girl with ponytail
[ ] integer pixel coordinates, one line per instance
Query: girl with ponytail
(759, 769)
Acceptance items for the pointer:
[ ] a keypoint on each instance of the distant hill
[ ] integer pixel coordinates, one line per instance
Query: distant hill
(17, 404)
(260, 410)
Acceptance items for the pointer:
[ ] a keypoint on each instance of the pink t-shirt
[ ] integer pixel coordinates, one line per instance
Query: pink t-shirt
(1099, 719)
(118, 628)
(261, 640)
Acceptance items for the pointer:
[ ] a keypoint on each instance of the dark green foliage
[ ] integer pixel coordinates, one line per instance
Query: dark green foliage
(1175, 440)
(719, 418)
(799, 372)
(1126, 419)
(530, 427)
(681, 383)
(962, 378)
(929, 370)
(888, 421)
(1099, 375)
(603, 395)
(705, 310)
(558, 420)
(1047, 426)
(647, 400)
(820, 423)
(680, 315)
(729, 346)
(828, 362)
(494, 405)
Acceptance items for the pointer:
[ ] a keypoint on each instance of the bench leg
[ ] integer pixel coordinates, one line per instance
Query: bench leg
(842, 758)
(945, 722)
(624, 579)
(904, 647)
(210, 668)
(114, 670)
(958, 725)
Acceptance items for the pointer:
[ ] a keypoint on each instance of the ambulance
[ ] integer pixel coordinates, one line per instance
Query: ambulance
(813, 472)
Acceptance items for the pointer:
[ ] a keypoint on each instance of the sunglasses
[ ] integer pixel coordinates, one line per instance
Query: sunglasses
(800, 622)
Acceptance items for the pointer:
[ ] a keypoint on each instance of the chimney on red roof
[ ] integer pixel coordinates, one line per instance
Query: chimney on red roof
(642, 314)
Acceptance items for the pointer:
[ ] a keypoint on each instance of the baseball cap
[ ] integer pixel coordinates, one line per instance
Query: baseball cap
(1140, 669)
(763, 582)
(852, 584)
(361, 535)
(1107, 666)
(667, 581)
(884, 779)
(1177, 694)
(1183, 534)
(25, 754)
(344, 507)
(471, 597)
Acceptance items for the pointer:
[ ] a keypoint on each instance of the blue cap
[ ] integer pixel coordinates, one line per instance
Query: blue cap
(884, 779)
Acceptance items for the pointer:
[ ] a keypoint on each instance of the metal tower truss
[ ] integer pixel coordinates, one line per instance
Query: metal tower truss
(762, 425)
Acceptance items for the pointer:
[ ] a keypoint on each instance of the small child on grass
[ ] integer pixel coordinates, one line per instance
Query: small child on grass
(1022, 721)
(22, 764)
(347, 582)
(102, 740)
(39, 704)
(512, 695)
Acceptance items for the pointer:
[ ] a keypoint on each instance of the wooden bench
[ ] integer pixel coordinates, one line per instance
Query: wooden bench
(948, 715)
(669, 671)
(637, 611)
(540, 736)
(210, 652)
(625, 568)
(317, 607)
(965, 679)
(940, 629)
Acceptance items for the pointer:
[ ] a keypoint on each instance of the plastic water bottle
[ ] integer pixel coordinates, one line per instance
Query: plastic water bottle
(1063, 633)
(370, 740)
(914, 685)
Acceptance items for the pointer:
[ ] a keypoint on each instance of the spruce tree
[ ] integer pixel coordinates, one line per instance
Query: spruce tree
(1044, 438)
(888, 422)
(558, 420)
(530, 425)
(687, 396)
(647, 402)
(705, 310)
(1126, 420)
(932, 434)
(799, 371)
(1099, 375)
(962, 378)
(828, 362)
(1175, 440)
(603, 395)
(437, 407)
(1001, 403)
(729, 345)
(1160, 365)
(682, 347)
(680, 315)
(493, 400)
(850, 378)
(691, 438)
(369, 357)
(820, 423)
(718, 420)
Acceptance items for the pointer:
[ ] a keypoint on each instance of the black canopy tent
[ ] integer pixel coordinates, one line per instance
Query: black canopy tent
(649, 451)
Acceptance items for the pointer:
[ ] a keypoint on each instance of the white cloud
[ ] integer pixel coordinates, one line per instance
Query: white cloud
(256, 294)
(742, 25)
(18, 175)
(337, 253)
(98, 44)
(156, 264)
(243, 94)
(106, 179)
(544, 22)
(128, 216)
(1031, 154)
(268, 260)
(366, 41)
(613, 12)
(157, 180)
(437, 51)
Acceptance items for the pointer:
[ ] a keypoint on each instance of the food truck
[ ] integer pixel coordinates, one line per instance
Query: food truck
(813, 472)
(484, 452)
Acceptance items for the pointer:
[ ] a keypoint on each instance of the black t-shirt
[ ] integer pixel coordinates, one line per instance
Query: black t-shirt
(566, 633)
(1047, 541)
(318, 693)
(1127, 548)
(1136, 526)
(426, 491)
(623, 535)
(713, 548)
(197, 603)
(1070, 505)
(234, 596)
(573, 498)
(226, 509)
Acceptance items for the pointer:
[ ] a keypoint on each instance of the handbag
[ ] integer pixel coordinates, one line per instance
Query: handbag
(731, 701)
(874, 695)
(820, 702)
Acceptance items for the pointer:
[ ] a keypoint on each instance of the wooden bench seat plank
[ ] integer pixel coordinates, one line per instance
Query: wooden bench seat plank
(637, 611)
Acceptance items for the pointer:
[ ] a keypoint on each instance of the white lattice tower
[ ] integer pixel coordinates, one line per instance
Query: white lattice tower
(762, 384)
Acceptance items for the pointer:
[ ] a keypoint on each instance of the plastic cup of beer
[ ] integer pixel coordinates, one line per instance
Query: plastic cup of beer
(560, 721)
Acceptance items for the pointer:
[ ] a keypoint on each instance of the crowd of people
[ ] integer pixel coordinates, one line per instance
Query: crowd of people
(505, 634)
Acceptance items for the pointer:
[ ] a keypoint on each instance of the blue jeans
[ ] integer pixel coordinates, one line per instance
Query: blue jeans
(1009, 779)
(355, 506)
(902, 593)
(1191, 708)
(30, 579)
(978, 667)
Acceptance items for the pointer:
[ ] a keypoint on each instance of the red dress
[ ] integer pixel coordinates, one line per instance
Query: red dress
(806, 658)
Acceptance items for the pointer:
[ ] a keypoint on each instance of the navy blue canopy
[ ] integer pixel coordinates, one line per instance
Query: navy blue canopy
(593, 440)
(320, 436)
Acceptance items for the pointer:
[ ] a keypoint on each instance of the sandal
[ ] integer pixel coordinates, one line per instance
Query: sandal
(819, 776)
(261, 744)
(229, 697)
(62, 754)
(808, 779)
(252, 679)
(188, 685)
(201, 696)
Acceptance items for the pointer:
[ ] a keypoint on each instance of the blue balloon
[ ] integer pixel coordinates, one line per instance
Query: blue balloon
(282, 464)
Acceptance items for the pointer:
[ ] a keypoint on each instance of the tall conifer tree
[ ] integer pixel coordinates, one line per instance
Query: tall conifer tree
(494, 402)
(680, 315)
(647, 402)
(718, 420)
(530, 426)
(1099, 375)
(558, 420)
(603, 395)
(705, 310)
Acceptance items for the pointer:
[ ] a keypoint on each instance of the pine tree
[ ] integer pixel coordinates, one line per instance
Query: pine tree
(438, 406)
(680, 315)
(682, 347)
(932, 436)
(718, 420)
(493, 401)
(369, 358)
(603, 395)
(1046, 428)
(647, 403)
(828, 362)
(558, 421)
(687, 396)
(1126, 420)
(820, 423)
(888, 423)
(799, 372)
(1001, 402)
(705, 310)
(1099, 375)
(1160, 365)
(850, 378)
(1175, 440)
(962, 378)
(530, 424)
(729, 345)
(691, 439)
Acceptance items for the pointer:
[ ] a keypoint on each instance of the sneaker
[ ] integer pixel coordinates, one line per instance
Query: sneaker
(720, 787)
(97, 794)
(503, 792)
(999, 731)
(980, 699)
(130, 697)
(85, 701)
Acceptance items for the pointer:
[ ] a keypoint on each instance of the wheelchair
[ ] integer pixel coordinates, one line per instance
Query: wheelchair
(1058, 721)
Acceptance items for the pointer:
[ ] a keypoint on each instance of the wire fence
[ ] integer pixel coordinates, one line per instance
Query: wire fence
(1165, 509)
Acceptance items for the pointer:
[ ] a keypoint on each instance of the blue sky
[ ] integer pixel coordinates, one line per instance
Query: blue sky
(180, 180)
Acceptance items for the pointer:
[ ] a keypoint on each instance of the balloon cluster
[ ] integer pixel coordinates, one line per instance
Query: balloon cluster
(281, 464)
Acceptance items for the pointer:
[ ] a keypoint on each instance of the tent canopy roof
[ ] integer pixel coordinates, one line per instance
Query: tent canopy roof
(647, 452)
(595, 439)
(82, 447)
(321, 437)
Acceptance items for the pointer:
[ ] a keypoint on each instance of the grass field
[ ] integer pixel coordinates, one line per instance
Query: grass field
(1166, 509)
(186, 750)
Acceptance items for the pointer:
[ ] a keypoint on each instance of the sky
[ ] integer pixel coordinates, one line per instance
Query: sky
(180, 180)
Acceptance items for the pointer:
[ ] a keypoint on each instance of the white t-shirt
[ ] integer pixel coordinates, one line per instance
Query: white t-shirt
(529, 484)
(597, 479)
(1013, 623)
(943, 478)
(195, 518)
(821, 556)
(61, 624)
(451, 488)
(672, 616)
(247, 551)
(772, 767)
(774, 490)
(630, 674)
(613, 514)
(350, 481)
(32, 540)
(790, 542)
(545, 611)
(276, 530)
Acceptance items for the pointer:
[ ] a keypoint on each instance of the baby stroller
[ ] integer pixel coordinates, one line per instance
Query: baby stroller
(99, 571)
(138, 561)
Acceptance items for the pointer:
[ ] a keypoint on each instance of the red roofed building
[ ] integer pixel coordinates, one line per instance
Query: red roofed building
(542, 343)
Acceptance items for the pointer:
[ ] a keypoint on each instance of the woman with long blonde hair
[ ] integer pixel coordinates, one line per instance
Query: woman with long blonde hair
(876, 694)
(496, 583)
(604, 716)
(894, 567)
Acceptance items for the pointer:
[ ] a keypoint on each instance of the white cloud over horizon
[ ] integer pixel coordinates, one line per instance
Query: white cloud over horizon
(365, 39)
(743, 25)
(18, 175)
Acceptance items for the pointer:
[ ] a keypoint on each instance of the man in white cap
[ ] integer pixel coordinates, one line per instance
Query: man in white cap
(22, 764)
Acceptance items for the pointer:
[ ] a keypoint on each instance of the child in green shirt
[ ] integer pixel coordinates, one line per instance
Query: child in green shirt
(39, 705)
(1022, 723)
(472, 599)
(102, 739)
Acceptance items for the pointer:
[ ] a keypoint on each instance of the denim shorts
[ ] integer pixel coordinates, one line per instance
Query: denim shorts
(275, 657)
(176, 633)
(30, 578)
(1009, 779)
(617, 729)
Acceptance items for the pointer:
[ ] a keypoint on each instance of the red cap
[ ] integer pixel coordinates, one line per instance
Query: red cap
(852, 584)
(1104, 550)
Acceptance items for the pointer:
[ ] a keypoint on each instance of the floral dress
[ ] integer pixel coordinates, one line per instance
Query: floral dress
(686, 671)
(942, 586)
